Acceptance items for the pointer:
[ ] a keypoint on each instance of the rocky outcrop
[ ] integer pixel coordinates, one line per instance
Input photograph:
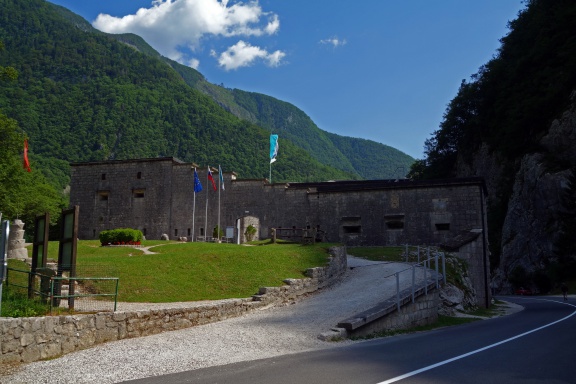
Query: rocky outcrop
(459, 296)
(533, 224)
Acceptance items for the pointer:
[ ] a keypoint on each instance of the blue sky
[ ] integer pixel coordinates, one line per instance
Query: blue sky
(382, 70)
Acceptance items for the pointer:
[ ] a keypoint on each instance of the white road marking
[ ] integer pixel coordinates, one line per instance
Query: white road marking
(413, 373)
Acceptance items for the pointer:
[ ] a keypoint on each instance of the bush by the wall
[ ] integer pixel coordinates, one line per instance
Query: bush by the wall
(121, 236)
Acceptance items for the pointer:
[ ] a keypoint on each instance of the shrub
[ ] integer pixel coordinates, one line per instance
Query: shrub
(218, 232)
(250, 232)
(121, 236)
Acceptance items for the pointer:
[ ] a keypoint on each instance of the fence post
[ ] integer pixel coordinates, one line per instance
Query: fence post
(406, 251)
(51, 294)
(398, 290)
(436, 262)
(418, 251)
(116, 295)
(444, 267)
(426, 277)
(413, 280)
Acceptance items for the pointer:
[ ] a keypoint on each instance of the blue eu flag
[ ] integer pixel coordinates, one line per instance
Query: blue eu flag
(197, 184)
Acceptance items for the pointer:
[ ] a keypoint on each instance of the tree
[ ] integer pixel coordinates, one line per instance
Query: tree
(23, 195)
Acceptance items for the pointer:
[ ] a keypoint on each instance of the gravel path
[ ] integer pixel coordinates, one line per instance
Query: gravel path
(261, 334)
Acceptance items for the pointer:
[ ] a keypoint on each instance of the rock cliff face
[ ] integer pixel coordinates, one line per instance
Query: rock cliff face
(532, 223)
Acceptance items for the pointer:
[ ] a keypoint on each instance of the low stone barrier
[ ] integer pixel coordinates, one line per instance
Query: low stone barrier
(31, 339)
(386, 316)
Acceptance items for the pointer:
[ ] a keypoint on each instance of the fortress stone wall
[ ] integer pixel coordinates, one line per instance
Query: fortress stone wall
(156, 196)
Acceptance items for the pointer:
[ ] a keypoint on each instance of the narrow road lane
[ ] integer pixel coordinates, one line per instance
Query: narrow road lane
(536, 345)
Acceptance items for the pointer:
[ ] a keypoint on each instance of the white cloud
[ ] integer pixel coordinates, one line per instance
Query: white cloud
(243, 54)
(194, 63)
(334, 41)
(172, 24)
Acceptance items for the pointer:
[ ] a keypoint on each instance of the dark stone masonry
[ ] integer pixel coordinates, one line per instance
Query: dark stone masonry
(156, 196)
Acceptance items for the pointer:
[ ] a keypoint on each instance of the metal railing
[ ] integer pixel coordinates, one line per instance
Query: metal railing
(429, 268)
(50, 288)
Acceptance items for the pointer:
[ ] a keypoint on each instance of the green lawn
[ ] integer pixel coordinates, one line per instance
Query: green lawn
(194, 271)
(378, 253)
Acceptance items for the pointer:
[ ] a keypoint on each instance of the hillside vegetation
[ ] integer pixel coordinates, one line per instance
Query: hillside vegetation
(513, 124)
(83, 95)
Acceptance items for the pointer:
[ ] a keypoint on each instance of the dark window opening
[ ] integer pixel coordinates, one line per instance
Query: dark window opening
(139, 193)
(352, 229)
(94, 233)
(175, 232)
(139, 175)
(351, 218)
(103, 176)
(144, 231)
(189, 232)
(442, 226)
(201, 231)
(395, 224)
(103, 196)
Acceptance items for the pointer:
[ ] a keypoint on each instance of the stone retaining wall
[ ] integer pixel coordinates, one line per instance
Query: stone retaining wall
(37, 338)
(423, 311)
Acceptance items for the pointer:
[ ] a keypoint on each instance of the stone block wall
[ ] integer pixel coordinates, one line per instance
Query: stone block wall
(37, 338)
(423, 311)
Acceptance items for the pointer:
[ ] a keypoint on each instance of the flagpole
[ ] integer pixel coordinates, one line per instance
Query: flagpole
(219, 188)
(206, 217)
(193, 216)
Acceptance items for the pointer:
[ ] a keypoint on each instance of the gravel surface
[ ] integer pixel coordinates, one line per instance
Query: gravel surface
(265, 333)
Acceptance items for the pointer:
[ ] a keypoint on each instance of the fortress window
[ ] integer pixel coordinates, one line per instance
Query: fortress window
(103, 176)
(394, 221)
(352, 228)
(103, 195)
(138, 193)
(395, 224)
(139, 175)
(442, 226)
(175, 232)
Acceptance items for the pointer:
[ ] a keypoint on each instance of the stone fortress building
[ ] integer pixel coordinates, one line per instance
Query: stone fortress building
(156, 196)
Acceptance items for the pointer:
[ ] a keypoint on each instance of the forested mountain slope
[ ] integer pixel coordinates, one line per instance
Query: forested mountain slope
(514, 124)
(82, 96)
(382, 162)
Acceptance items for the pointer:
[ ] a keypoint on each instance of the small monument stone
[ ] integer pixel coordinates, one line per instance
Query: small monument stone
(16, 243)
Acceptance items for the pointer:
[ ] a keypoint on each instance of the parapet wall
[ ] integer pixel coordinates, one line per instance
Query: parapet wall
(31, 339)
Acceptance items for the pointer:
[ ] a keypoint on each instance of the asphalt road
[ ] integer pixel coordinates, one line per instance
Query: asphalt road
(536, 345)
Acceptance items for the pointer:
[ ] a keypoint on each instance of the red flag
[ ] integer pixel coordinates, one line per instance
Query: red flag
(26, 161)
(211, 179)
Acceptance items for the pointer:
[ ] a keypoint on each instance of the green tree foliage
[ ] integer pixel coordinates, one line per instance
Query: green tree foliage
(23, 194)
(510, 103)
(83, 95)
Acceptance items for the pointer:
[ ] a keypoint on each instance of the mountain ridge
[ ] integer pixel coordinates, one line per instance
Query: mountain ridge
(276, 115)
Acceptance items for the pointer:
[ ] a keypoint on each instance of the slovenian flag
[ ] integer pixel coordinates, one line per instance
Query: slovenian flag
(221, 177)
(211, 179)
(273, 148)
(197, 184)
